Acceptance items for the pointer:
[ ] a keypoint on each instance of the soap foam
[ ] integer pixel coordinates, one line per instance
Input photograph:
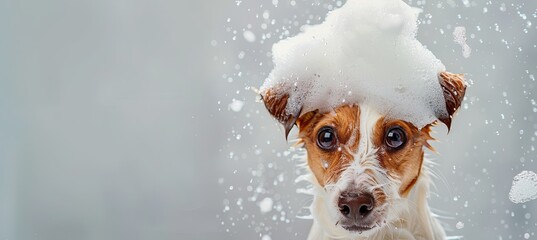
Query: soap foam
(524, 187)
(364, 52)
(459, 36)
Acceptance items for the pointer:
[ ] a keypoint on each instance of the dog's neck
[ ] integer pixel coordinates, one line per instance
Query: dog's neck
(416, 222)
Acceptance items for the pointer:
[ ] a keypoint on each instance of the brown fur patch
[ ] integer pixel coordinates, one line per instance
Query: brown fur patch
(276, 103)
(404, 163)
(345, 121)
(454, 88)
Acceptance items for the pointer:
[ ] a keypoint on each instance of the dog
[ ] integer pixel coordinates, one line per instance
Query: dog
(367, 170)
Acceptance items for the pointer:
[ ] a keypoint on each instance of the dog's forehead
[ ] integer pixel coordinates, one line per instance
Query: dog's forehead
(354, 122)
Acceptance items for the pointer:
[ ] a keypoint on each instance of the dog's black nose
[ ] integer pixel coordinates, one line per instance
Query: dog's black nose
(356, 206)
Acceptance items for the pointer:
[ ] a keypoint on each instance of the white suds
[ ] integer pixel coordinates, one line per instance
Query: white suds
(524, 187)
(366, 48)
(249, 36)
(236, 105)
(265, 205)
(459, 36)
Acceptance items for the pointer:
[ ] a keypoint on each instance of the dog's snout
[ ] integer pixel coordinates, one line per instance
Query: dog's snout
(356, 206)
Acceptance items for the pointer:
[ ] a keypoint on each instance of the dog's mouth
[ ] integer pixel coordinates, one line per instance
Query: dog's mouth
(357, 228)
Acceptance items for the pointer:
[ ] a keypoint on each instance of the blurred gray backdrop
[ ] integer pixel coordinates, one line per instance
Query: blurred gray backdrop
(137, 119)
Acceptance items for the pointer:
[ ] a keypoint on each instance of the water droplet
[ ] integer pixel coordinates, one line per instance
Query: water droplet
(265, 205)
(249, 36)
(325, 164)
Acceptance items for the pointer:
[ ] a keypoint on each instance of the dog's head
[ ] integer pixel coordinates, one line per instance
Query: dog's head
(365, 162)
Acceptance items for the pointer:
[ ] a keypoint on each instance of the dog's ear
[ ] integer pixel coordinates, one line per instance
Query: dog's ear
(276, 102)
(453, 88)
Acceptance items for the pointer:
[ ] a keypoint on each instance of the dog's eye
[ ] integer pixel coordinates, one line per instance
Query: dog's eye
(326, 138)
(395, 137)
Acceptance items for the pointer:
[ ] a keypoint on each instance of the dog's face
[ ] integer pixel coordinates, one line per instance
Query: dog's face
(366, 163)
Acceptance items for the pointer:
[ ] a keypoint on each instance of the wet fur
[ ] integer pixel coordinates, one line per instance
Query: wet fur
(397, 180)
(403, 212)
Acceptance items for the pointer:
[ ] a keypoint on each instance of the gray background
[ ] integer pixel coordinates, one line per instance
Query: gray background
(114, 119)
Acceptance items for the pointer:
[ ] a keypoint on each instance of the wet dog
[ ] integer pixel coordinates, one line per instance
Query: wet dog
(367, 169)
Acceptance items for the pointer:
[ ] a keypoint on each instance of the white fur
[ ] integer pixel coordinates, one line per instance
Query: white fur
(415, 222)
(403, 218)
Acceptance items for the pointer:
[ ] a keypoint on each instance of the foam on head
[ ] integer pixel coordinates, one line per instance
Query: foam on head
(365, 52)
